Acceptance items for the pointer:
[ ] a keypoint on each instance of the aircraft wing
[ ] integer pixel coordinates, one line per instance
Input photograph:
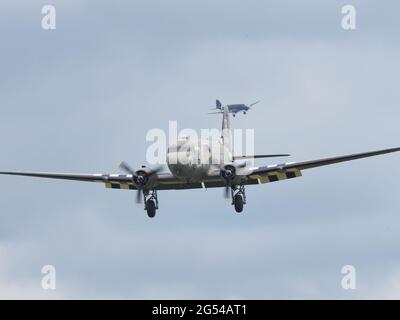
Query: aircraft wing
(165, 181)
(289, 170)
(106, 178)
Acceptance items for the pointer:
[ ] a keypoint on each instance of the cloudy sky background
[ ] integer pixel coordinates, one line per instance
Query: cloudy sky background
(82, 97)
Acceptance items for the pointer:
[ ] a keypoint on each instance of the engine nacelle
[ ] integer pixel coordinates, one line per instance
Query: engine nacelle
(144, 178)
(229, 174)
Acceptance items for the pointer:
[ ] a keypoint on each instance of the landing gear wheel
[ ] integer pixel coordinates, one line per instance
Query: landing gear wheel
(151, 208)
(150, 202)
(238, 203)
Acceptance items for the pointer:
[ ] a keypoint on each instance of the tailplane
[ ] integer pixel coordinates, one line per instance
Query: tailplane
(226, 152)
(218, 106)
(260, 156)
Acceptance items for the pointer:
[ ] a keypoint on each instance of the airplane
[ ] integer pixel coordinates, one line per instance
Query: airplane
(191, 169)
(233, 108)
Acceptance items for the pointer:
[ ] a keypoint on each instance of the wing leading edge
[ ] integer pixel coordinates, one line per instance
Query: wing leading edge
(105, 178)
(319, 162)
(165, 181)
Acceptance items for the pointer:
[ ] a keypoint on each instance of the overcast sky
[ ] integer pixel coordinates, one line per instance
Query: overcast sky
(83, 96)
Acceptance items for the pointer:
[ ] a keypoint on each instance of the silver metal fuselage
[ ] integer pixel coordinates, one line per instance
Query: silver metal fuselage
(193, 160)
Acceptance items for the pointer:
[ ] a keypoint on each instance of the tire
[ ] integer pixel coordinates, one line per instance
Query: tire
(238, 203)
(151, 208)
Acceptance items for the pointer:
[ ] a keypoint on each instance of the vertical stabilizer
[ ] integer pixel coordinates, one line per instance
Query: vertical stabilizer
(226, 137)
(218, 104)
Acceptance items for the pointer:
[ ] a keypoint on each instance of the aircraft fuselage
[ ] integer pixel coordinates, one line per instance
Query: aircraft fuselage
(193, 160)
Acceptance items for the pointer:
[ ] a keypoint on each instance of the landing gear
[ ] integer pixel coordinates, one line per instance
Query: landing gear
(151, 208)
(150, 202)
(238, 203)
(238, 198)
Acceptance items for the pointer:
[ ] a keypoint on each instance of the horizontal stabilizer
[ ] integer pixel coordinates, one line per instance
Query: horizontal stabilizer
(254, 103)
(259, 156)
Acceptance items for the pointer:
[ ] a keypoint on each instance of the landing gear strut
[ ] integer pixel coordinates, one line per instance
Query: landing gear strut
(150, 202)
(238, 198)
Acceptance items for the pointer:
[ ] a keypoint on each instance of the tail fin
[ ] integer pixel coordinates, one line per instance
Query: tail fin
(226, 152)
(218, 104)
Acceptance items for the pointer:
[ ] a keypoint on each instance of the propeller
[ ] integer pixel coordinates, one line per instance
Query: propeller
(138, 196)
(125, 167)
(140, 177)
(226, 191)
(228, 173)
